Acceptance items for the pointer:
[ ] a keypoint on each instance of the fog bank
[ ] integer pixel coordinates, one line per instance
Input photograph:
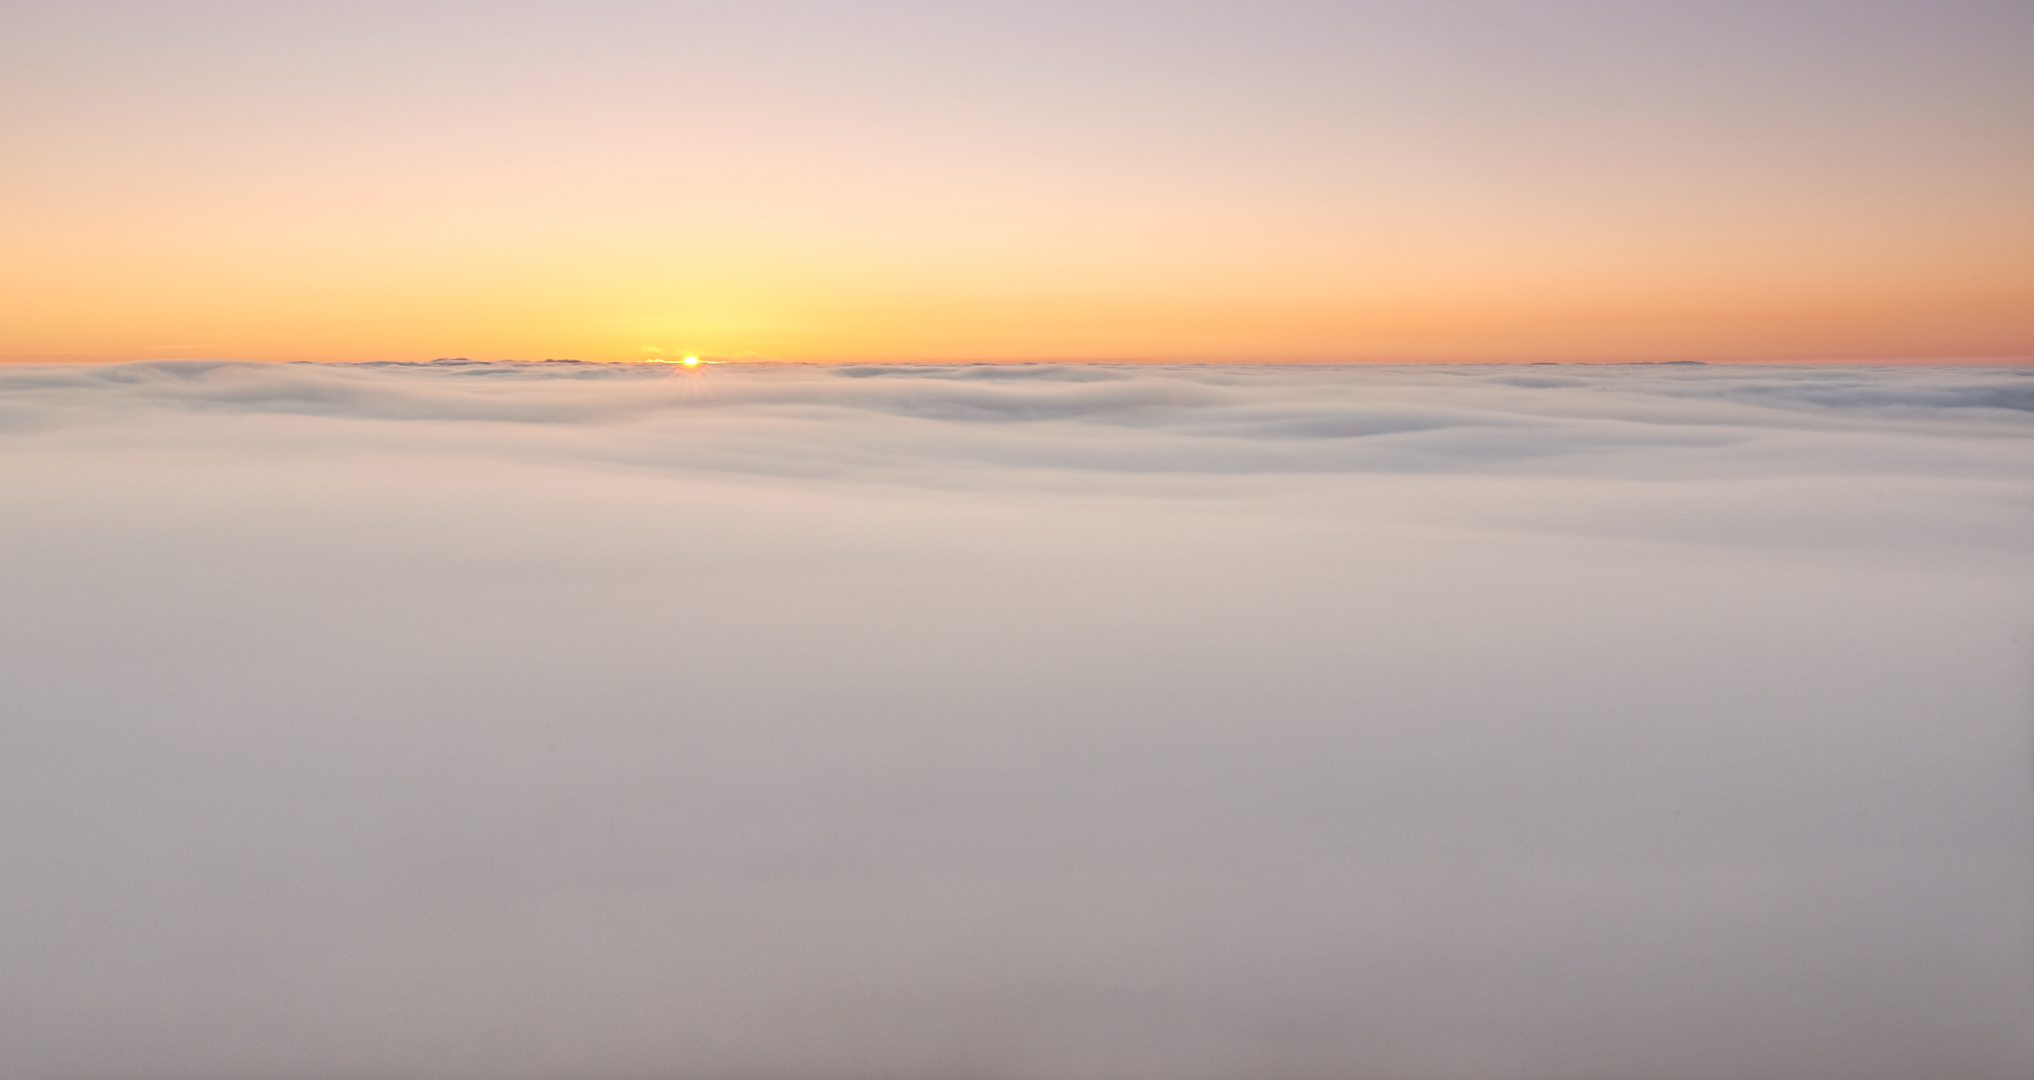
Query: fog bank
(531, 721)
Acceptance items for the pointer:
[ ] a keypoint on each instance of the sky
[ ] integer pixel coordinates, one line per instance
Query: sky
(1035, 722)
(1435, 181)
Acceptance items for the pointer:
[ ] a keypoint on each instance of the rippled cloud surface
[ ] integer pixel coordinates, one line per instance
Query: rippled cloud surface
(535, 721)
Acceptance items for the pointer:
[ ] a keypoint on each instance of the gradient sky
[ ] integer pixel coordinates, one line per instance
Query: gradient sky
(1453, 181)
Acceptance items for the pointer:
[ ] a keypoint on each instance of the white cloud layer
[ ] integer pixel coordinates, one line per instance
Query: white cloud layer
(533, 721)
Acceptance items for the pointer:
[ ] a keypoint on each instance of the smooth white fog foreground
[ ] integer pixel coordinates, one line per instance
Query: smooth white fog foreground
(535, 721)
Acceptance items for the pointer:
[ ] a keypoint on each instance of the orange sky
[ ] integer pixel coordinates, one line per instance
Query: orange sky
(1465, 181)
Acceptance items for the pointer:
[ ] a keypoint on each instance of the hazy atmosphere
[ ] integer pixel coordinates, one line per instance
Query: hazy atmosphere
(964, 540)
(1393, 723)
(1370, 180)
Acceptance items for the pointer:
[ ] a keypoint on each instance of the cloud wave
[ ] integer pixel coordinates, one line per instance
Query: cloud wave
(1054, 721)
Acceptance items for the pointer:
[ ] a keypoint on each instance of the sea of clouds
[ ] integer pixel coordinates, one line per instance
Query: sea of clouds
(1023, 722)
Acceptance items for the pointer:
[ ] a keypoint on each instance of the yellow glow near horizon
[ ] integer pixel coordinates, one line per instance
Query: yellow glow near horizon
(1597, 193)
